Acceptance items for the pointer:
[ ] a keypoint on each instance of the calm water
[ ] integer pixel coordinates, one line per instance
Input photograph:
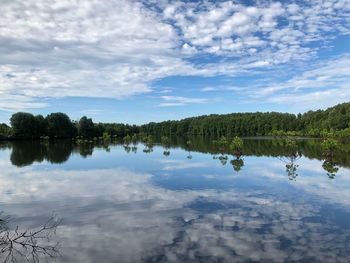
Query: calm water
(116, 204)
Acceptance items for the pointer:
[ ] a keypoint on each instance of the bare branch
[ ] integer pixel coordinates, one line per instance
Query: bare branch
(31, 245)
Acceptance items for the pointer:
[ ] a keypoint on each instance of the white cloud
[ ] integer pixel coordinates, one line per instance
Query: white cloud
(94, 49)
(325, 85)
(222, 88)
(13, 102)
(120, 214)
(170, 101)
(225, 28)
(188, 50)
(118, 48)
(171, 165)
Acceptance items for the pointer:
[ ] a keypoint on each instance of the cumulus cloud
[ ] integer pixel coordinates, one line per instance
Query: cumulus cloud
(65, 48)
(117, 49)
(274, 31)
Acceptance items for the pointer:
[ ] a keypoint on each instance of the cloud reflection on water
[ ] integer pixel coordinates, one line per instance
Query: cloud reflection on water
(120, 214)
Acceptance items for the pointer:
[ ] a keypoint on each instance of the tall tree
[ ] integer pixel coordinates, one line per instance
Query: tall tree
(60, 126)
(23, 125)
(86, 127)
(40, 126)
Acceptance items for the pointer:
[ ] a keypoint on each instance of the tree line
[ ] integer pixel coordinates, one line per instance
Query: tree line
(58, 125)
(332, 122)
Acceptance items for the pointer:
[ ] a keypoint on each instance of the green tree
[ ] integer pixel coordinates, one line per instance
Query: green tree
(5, 130)
(148, 140)
(106, 137)
(165, 141)
(60, 126)
(312, 123)
(134, 139)
(166, 144)
(127, 140)
(23, 125)
(222, 143)
(40, 126)
(86, 128)
(236, 146)
(291, 147)
(329, 146)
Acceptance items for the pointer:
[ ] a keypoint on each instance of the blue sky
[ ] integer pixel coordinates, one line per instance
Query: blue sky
(139, 61)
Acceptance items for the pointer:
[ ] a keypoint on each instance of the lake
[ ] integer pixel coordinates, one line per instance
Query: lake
(65, 202)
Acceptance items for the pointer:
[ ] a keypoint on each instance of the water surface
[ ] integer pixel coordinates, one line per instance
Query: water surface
(122, 204)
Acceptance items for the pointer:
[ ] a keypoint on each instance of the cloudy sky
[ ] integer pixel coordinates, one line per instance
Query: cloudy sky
(139, 61)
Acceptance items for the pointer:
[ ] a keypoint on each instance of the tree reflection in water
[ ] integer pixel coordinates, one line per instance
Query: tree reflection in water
(221, 145)
(237, 146)
(237, 163)
(189, 148)
(292, 155)
(330, 167)
(85, 150)
(30, 245)
(148, 149)
(330, 146)
(134, 149)
(166, 145)
(222, 158)
(127, 148)
(24, 153)
(148, 142)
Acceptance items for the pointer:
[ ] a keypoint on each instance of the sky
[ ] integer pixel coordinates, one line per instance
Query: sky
(139, 61)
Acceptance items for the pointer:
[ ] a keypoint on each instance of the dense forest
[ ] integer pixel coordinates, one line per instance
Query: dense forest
(332, 122)
(59, 125)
